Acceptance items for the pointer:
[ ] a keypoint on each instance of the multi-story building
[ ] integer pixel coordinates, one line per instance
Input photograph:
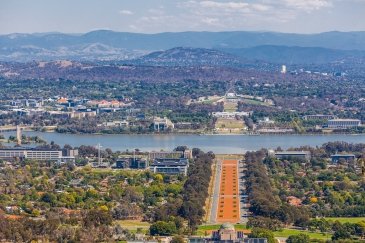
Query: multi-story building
(32, 154)
(170, 166)
(344, 123)
(170, 154)
(306, 155)
(132, 163)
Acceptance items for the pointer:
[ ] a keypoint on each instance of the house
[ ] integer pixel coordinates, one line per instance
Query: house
(62, 101)
(294, 201)
(170, 166)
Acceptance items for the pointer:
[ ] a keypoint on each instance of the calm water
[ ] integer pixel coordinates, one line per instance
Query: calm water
(215, 143)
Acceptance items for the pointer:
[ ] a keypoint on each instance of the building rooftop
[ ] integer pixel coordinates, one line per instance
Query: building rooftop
(27, 149)
(357, 120)
(170, 162)
(292, 152)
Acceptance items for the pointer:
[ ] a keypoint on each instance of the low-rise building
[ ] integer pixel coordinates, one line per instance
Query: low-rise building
(265, 121)
(131, 163)
(170, 154)
(343, 123)
(306, 155)
(227, 233)
(319, 117)
(170, 166)
(116, 124)
(231, 115)
(346, 157)
(82, 114)
(162, 124)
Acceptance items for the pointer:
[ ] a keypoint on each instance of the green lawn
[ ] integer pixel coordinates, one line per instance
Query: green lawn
(133, 224)
(343, 220)
(230, 106)
(229, 123)
(288, 232)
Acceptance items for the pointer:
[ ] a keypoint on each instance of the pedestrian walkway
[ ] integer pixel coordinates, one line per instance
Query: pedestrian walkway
(229, 199)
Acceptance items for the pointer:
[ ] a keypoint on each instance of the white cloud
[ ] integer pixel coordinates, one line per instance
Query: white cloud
(210, 21)
(224, 5)
(308, 5)
(230, 14)
(230, 7)
(126, 12)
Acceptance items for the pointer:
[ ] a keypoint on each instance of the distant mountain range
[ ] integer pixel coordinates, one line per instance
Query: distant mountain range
(195, 48)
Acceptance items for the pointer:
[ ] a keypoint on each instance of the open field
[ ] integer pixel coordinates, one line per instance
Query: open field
(343, 220)
(229, 124)
(212, 100)
(230, 106)
(133, 225)
(313, 235)
(228, 204)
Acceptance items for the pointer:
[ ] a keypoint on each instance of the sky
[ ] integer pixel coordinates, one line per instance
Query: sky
(154, 16)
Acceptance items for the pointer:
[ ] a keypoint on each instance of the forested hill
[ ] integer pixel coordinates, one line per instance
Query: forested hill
(185, 56)
(109, 45)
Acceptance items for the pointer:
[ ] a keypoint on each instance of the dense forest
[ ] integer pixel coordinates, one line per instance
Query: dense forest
(42, 201)
(293, 192)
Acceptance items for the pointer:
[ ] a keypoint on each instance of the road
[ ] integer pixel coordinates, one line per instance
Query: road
(243, 194)
(215, 196)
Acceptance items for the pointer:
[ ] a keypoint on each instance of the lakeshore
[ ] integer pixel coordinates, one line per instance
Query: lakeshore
(220, 144)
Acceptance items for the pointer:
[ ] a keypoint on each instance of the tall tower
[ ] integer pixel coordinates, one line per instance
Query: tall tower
(283, 69)
(18, 135)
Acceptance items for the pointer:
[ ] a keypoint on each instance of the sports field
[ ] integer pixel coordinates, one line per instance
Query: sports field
(229, 204)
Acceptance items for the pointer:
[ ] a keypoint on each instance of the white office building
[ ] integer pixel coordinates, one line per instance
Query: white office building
(343, 123)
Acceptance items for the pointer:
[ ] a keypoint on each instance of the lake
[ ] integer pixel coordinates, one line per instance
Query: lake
(216, 143)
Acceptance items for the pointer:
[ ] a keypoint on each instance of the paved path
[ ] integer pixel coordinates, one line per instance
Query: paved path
(215, 196)
(243, 193)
